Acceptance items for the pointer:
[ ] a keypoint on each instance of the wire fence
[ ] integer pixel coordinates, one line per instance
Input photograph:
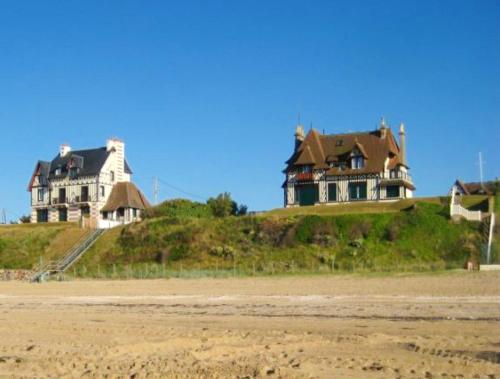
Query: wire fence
(282, 268)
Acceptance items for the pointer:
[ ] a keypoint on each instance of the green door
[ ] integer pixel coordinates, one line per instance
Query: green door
(308, 194)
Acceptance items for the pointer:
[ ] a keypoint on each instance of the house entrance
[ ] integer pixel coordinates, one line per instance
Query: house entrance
(307, 194)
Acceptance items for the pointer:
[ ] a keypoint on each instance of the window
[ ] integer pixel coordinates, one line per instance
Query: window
(63, 214)
(306, 194)
(134, 213)
(84, 193)
(73, 172)
(112, 175)
(357, 162)
(392, 191)
(102, 191)
(357, 191)
(104, 215)
(62, 195)
(58, 171)
(40, 194)
(332, 192)
(305, 169)
(339, 142)
(42, 215)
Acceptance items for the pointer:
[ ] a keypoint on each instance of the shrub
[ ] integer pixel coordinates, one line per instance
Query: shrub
(179, 208)
(360, 229)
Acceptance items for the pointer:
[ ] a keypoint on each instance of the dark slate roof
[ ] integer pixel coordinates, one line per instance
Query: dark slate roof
(89, 162)
(128, 170)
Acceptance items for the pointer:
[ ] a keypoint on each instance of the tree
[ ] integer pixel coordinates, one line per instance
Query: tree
(222, 205)
(25, 219)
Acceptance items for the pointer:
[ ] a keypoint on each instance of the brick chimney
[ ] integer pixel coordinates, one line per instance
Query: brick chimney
(299, 135)
(64, 149)
(402, 143)
(383, 128)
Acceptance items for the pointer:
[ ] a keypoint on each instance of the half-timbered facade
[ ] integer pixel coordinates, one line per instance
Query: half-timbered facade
(339, 168)
(77, 185)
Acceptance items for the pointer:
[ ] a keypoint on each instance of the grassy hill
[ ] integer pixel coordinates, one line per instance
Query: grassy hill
(183, 238)
(407, 235)
(23, 246)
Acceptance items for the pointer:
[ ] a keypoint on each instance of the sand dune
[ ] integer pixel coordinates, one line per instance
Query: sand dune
(445, 326)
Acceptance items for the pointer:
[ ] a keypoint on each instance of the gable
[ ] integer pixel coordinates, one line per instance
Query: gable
(321, 150)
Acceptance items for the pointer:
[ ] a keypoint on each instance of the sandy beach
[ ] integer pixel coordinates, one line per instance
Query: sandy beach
(420, 326)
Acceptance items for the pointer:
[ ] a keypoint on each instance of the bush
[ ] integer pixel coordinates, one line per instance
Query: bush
(360, 229)
(179, 208)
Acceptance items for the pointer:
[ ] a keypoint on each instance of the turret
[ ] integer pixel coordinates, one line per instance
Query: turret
(402, 143)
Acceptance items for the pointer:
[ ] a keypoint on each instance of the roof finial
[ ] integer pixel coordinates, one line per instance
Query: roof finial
(382, 122)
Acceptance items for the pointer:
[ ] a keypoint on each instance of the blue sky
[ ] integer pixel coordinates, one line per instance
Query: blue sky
(206, 94)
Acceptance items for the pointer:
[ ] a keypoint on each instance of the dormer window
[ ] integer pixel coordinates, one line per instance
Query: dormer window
(58, 171)
(73, 172)
(357, 162)
(304, 169)
(339, 142)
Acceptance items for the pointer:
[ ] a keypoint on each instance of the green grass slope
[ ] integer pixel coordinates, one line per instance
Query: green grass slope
(412, 235)
(22, 246)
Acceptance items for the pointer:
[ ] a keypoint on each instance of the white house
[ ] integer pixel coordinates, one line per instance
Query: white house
(92, 186)
(336, 168)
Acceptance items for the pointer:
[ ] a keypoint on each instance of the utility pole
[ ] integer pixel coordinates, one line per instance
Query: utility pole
(156, 189)
(4, 216)
(481, 163)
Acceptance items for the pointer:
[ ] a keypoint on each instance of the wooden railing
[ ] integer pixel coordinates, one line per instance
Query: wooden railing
(457, 210)
(397, 175)
(305, 176)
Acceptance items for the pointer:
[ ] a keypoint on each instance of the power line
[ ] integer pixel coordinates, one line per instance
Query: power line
(181, 190)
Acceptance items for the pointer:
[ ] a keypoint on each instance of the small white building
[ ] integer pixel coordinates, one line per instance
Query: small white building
(92, 186)
(336, 168)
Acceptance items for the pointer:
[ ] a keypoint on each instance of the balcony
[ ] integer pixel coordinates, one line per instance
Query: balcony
(397, 175)
(57, 200)
(397, 178)
(82, 199)
(305, 177)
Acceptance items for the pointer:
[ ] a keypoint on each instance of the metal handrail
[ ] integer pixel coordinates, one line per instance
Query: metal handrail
(74, 253)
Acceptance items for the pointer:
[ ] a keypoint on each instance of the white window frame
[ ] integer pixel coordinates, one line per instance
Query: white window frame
(40, 194)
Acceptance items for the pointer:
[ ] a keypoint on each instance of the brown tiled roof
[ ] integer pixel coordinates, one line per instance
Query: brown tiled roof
(477, 188)
(125, 195)
(319, 150)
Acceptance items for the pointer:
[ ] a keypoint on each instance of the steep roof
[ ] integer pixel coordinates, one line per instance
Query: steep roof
(125, 195)
(42, 169)
(477, 188)
(89, 162)
(319, 150)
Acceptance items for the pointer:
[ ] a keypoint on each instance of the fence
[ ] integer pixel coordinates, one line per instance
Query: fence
(457, 210)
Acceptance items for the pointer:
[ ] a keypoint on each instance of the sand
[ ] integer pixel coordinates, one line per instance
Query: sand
(423, 326)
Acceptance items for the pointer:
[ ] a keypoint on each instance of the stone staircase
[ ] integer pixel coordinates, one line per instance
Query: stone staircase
(44, 271)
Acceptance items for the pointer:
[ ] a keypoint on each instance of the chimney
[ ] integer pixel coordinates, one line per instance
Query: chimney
(64, 149)
(299, 136)
(402, 143)
(383, 128)
(117, 146)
